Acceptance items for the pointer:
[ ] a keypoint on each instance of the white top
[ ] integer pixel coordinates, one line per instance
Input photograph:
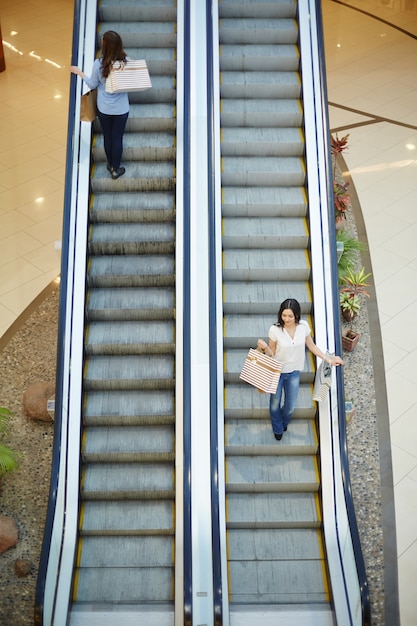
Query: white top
(290, 352)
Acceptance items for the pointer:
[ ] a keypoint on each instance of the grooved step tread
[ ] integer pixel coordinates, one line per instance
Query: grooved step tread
(258, 30)
(268, 111)
(258, 8)
(134, 405)
(150, 517)
(268, 473)
(265, 264)
(243, 331)
(249, 233)
(153, 480)
(259, 58)
(255, 438)
(242, 401)
(261, 142)
(272, 510)
(125, 585)
(262, 297)
(144, 337)
(130, 304)
(121, 442)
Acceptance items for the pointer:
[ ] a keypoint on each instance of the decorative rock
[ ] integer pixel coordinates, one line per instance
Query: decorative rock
(22, 568)
(8, 533)
(35, 401)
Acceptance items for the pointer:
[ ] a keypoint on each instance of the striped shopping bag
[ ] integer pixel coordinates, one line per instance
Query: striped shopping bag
(261, 371)
(128, 75)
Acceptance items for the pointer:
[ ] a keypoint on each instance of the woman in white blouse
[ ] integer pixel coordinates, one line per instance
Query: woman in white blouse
(288, 338)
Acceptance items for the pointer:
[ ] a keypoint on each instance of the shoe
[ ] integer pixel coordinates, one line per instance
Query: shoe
(278, 437)
(116, 173)
(285, 428)
(109, 167)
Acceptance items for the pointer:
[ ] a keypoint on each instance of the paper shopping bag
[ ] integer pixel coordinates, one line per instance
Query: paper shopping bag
(261, 371)
(88, 109)
(128, 75)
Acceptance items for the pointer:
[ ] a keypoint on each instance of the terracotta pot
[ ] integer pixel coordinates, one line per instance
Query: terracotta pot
(348, 316)
(350, 340)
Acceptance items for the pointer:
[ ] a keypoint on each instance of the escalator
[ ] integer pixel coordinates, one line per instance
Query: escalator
(173, 503)
(275, 545)
(125, 551)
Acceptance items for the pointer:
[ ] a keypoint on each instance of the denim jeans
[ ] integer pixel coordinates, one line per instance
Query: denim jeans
(282, 403)
(113, 127)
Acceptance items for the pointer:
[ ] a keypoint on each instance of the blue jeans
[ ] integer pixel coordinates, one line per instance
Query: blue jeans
(281, 410)
(113, 127)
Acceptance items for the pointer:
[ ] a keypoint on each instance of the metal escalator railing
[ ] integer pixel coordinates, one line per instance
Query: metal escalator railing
(347, 574)
(214, 227)
(345, 471)
(343, 538)
(71, 278)
(54, 582)
(184, 187)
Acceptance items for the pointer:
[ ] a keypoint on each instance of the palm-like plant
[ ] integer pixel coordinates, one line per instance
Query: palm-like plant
(354, 286)
(9, 459)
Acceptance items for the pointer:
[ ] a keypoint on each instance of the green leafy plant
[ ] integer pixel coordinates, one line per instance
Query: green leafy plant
(9, 459)
(351, 247)
(350, 304)
(354, 285)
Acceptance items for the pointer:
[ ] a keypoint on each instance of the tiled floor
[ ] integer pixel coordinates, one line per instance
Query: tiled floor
(372, 69)
(33, 126)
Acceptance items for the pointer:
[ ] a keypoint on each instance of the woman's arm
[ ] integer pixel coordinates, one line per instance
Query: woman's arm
(336, 360)
(76, 70)
(93, 80)
(267, 349)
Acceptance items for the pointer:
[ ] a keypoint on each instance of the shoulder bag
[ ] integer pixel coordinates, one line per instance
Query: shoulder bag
(128, 75)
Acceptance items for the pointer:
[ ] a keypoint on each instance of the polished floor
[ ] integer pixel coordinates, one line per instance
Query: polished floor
(371, 50)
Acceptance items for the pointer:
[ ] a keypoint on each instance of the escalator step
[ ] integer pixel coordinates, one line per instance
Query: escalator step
(138, 303)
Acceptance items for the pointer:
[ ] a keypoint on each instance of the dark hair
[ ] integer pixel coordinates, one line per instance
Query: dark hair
(292, 304)
(111, 50)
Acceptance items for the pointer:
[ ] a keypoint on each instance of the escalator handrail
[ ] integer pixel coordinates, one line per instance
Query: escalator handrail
(335, 420)
(188, 595)
(56, 451)
(360, 563)
(213, 182)
(63, 500)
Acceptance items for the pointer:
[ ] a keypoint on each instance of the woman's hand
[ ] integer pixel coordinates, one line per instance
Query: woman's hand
(336, 360)
(76, 70)
(262, 345)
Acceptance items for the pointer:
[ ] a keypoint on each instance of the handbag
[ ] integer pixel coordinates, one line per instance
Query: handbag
(88, 108)
(261, 371)
(128, 75)
(323, 380)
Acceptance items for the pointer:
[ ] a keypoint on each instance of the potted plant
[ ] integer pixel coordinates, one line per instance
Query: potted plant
(9, 459)
(340, 195)
(349, 305)
(341, 201)
(354, 286)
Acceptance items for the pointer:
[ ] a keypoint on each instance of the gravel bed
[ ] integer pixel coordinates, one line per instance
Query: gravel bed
(30, 357)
